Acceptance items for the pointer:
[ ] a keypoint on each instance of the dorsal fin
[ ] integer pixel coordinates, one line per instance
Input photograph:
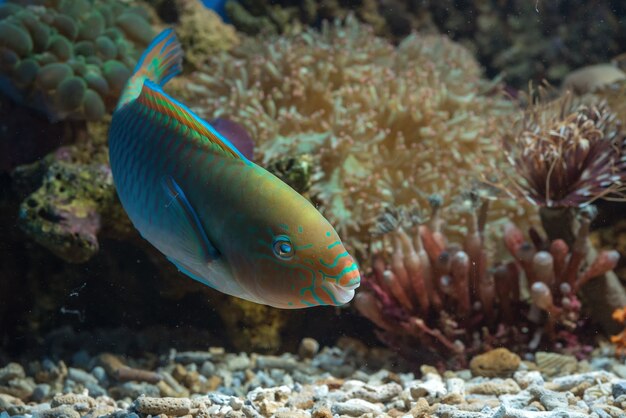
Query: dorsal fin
(155, 99)
(161, 61)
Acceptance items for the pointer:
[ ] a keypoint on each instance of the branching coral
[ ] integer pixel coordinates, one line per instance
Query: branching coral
(385, 124)
(452, 299)
(69, 58)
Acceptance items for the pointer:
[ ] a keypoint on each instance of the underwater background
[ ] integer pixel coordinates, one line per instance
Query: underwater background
(471, 156)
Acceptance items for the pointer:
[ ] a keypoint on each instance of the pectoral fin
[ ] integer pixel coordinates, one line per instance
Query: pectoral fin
(190, 272)
(194, 242)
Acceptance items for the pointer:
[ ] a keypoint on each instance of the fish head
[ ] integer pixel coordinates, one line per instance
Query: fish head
(298, 261)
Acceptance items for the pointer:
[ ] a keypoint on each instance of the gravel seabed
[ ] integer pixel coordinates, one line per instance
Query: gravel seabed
(344, 381)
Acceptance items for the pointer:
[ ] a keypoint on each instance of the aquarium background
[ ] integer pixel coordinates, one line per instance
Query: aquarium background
(470, 154)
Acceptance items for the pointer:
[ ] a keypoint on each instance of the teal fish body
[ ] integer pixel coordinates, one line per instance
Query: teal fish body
(220, 218)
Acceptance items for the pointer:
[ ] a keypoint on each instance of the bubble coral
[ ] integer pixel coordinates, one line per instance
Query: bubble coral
(431, 297)
(385, 124)
(69, 58)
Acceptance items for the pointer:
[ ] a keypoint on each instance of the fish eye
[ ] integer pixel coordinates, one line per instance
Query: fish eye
(283, 248)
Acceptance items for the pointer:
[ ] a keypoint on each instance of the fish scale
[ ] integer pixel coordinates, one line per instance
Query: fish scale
(221, 219)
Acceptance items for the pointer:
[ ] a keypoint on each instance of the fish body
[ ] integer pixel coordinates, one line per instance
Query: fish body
(220, 218)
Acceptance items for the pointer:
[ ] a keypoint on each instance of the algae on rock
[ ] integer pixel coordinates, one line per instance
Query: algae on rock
(250, 326)
(74, 200)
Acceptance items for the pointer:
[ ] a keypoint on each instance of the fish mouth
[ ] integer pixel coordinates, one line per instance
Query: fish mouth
(352, 286)
(344, 294)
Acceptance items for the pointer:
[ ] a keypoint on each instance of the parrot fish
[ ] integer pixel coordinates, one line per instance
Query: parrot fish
(217, 216)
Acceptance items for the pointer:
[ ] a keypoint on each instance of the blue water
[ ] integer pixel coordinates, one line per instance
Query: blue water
(215, 5)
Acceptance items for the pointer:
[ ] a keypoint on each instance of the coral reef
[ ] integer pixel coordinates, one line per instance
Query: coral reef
(564, 155)
(254, 17)
(523, 40)
(458, 299)
(75, 200)
(200, 30)
(69, 58)
(384, 124)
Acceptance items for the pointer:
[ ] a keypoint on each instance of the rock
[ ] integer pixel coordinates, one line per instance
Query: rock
(527, 378)
(11, 371)
(308, 348)
(41, 392)
(356, 408)
(618, 388)
(431, 389)
(456, 391)
(568, 382)
(376, 394)
(72, 399)
(506, 412)
(554, 364)
(549, 399)
(495, 363)
(275, 362)
(267, 401)
(238, 362)
(168, 406)
(11, 404)
(493, 387)
(198, 357)
(589, 78)
(63, 411)
(134, 390)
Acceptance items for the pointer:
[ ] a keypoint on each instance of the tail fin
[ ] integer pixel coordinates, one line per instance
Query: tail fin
(161, 61)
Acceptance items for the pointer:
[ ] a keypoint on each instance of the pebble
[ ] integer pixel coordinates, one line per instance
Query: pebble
(41, 392)
(328, 383)
(495, 387)
(168, 406)
(618, 388)
(274, 362)
(356, 408)
(431, 388)
(554, 364)
(309, 347)
(383, 393)
(11, 371)
(495, 363)
(81, 376)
